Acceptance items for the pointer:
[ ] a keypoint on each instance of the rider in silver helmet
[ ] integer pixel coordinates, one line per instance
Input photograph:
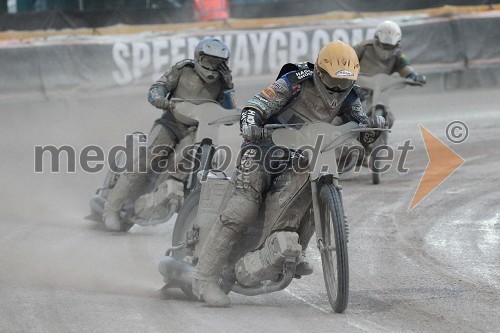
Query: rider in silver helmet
(206, 77)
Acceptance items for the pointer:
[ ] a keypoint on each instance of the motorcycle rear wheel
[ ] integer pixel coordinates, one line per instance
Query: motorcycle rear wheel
(185, 221)
(334, 254)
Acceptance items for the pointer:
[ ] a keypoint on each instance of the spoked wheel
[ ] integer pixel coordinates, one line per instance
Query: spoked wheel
(185, 221)
(334, 254)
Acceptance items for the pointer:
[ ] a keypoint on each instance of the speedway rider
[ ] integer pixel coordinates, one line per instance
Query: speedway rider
(309, 93)
(206, 77)
(383, 54)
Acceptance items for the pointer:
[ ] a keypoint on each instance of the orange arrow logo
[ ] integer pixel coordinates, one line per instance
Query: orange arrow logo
(443, 161)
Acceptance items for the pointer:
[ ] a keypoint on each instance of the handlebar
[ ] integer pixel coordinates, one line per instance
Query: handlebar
(271, 127)
(414, 83)
(370, 129)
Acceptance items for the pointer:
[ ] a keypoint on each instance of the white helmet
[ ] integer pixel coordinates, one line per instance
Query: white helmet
(388, 32)
(387, 38)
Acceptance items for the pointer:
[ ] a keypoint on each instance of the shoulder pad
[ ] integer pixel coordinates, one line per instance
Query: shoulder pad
(183, 63)
(357, 89)
(298, 76)
(354, 93)
(290, 67)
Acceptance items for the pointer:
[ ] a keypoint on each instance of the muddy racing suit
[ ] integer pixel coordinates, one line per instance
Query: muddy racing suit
(181, 81)
(292, 99)
(371, 64)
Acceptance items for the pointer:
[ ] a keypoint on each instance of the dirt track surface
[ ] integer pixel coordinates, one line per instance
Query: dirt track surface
(435, 268)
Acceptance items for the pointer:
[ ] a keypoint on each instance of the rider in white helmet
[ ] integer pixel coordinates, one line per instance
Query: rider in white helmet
(383, 54)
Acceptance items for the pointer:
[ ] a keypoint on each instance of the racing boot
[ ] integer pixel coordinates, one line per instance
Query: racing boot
(213, 257)
(303, 267)
(306, 231)
(153, 204)
(211, 293)
(116, 198)
(112, 219)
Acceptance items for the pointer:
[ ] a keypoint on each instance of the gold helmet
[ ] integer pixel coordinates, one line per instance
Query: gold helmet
(337, 65)
(335, 71)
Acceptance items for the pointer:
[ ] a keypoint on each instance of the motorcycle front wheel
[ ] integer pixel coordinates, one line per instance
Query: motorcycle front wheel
(334, 253)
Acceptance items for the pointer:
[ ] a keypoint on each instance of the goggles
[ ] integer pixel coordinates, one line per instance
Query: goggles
(210, 63)
(334, 84)
(385, 47)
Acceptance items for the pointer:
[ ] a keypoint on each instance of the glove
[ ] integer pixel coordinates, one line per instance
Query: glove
(226, 75)
(417, 77)
(375, 122)
(253, 132)
(161, 103)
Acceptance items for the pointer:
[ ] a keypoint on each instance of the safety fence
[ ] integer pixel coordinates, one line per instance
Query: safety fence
(455, 51)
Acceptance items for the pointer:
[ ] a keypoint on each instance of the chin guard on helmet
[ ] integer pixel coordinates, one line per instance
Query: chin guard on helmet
(335, 71)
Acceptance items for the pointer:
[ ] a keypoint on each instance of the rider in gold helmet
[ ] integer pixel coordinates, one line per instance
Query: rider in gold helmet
(304, 93)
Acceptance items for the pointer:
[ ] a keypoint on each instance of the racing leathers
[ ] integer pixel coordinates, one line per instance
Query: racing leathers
(181, 81)
(292, 99)
(371, 63)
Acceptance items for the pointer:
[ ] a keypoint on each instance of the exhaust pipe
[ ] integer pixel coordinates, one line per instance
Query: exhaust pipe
(288, 274)
(176, 273)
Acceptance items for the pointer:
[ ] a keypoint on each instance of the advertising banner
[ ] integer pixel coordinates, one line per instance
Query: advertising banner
(434, 46)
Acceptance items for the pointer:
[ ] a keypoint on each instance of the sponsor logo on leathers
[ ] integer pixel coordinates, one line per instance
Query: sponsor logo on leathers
(305, 73)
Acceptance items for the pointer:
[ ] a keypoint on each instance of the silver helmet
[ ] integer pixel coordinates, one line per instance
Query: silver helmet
(387, 38)
(209, 54)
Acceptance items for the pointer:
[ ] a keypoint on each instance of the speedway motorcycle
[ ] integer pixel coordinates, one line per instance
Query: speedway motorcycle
(265, 258)
(195, 151)
(376, 95)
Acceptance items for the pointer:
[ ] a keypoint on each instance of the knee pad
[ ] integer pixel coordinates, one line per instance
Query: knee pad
(239, 213)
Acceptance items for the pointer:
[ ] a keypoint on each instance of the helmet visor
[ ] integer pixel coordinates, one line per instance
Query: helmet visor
(210, 63)
(384, 46)
(334, 84)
